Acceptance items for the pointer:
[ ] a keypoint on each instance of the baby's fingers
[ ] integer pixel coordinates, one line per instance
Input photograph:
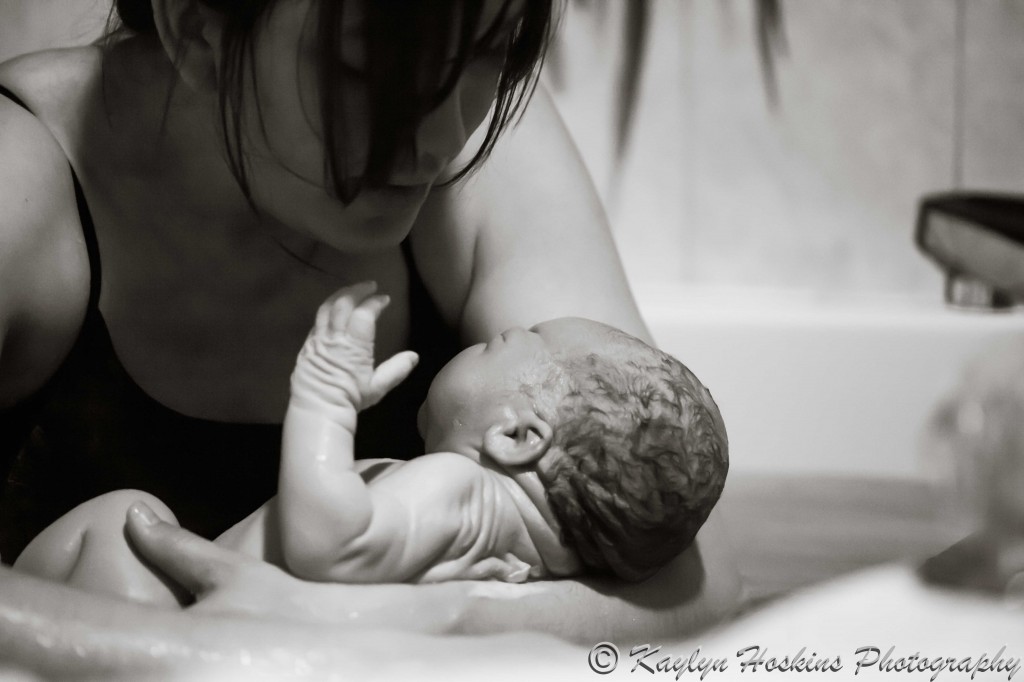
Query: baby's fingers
(362, 323)
(388, 375)
(333, 313)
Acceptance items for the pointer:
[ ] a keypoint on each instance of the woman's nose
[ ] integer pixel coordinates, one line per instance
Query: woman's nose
(442, 135)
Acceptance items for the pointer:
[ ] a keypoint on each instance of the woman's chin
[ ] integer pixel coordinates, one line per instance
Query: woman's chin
(380, 218)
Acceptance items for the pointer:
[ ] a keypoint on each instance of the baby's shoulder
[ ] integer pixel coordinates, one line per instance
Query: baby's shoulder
(449, 464)
(436, 475)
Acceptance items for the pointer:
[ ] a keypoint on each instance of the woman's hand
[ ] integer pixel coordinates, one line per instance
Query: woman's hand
(221, 580)
(225, 582)
(984, 561)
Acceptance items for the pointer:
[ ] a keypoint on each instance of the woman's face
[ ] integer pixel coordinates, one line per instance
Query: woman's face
(286, 165)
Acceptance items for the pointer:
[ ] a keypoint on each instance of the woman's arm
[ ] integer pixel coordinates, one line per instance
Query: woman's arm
(44, 277)
(525, 239)
(683, 598)
(44, 269)
(60, 632)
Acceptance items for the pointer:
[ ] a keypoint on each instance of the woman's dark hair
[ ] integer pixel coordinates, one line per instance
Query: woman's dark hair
(409, 71)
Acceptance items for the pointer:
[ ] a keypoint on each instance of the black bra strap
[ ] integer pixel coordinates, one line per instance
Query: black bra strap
(88, 227)
(4, 92)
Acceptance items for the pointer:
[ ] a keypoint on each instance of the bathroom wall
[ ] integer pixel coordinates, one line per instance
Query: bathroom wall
(877, 103)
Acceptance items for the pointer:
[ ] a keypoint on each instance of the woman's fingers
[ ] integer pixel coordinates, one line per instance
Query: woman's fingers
(1011, 565)
(389, 374)
(191, 561)
(1015, 587)
(982, 561)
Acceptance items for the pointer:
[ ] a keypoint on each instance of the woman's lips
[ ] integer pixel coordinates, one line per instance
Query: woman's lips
(408, 191)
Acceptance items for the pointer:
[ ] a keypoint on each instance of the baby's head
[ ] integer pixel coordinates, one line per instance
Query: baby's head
(628, 445)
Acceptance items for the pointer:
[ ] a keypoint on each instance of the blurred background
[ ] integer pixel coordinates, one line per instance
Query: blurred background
(759, 142)
(786, 144)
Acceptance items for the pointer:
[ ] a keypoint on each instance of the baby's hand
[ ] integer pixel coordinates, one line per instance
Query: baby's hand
(335, 366)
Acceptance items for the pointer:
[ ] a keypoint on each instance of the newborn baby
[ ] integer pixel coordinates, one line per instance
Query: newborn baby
(566, 448)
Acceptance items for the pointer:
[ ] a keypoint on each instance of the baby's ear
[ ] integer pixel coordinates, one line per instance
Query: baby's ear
(520, 439)
(509, 569)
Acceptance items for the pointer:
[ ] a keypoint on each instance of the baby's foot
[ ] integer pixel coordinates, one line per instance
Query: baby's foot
(335, 368)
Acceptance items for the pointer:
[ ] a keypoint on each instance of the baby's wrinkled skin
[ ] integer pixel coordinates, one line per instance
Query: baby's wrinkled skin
(473, 508)
(460, 512)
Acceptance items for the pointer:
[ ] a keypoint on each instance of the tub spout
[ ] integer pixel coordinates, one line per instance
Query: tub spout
(964, 291)
(977, 239)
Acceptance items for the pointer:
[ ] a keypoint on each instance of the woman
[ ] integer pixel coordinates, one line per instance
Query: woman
(231, 165)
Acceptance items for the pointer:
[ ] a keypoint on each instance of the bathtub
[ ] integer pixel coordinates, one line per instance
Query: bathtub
(815, 384)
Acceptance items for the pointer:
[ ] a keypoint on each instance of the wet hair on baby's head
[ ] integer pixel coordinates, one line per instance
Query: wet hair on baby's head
(407, 44)
(642, 460)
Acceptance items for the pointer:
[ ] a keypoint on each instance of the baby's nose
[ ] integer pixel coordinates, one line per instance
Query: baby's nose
(516, 333)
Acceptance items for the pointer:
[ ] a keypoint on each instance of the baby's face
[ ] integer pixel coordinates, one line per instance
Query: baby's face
(469, 394)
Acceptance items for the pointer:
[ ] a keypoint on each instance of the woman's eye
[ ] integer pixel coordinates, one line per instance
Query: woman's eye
(352, 73)
(477, 53)
(491, 53)
(496, 51)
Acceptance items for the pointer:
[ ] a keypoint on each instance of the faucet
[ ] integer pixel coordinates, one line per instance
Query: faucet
(977, 239)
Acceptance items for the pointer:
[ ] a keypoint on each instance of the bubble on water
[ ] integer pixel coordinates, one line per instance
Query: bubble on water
(499, 590)
(46, 641)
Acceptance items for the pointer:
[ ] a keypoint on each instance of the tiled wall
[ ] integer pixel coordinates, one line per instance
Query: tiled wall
(879, 102)
(994, 95)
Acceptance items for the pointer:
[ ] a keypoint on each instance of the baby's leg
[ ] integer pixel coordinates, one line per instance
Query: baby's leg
(88, 548)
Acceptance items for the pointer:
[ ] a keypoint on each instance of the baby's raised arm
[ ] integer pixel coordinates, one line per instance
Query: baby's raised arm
(324, 505)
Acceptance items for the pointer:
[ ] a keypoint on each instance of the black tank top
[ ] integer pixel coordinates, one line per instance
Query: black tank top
(91, 429)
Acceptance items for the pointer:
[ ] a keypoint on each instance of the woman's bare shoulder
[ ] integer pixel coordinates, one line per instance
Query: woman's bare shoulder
(44, 269)
(56, 85)
(50, 78)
